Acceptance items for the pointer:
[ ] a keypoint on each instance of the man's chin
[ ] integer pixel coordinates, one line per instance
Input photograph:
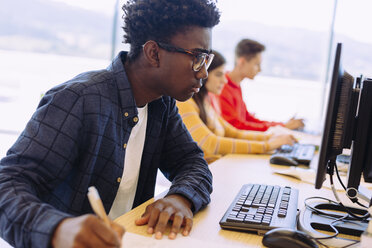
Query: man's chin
(184, 98)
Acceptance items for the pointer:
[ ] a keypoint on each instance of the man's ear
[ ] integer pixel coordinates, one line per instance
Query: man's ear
(151, 53)
(240, 61)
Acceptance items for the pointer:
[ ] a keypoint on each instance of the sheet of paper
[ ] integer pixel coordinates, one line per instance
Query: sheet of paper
(305, 175)
(131, 240)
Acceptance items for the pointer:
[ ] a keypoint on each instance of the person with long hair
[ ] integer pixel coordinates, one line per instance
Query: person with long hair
(213, 134)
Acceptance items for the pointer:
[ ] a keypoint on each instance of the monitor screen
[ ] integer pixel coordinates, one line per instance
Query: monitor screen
(339, 119)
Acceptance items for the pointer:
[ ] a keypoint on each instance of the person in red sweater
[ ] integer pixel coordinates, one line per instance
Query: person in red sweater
(248, 56)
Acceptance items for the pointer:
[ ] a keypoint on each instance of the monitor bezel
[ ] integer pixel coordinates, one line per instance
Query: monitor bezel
(330, 119)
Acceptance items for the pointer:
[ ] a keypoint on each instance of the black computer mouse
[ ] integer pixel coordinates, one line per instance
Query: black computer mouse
(288, 238)
(282, 160)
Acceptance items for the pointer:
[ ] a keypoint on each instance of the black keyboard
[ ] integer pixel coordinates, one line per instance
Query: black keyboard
(296, 154)
(260, 208)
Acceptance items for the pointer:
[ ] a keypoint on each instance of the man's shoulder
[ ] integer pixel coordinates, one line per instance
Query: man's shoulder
(164, 105)
(91, 82)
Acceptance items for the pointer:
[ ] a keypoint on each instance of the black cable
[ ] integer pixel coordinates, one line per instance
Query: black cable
(339, 178)
(328, 215)
(356, 242)
(361, 205)
(325, 214)
(363, 217)
(334, 229)
(318, 211)
(343, 186)
(326, 246)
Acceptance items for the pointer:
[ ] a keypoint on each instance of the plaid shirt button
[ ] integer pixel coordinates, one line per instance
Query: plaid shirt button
(135, 119)
(126, 114)
(118, 180)
(125, 145)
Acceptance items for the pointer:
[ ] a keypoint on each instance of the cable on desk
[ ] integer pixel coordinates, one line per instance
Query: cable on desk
(336, 218)
(343, 186)
(364, 217)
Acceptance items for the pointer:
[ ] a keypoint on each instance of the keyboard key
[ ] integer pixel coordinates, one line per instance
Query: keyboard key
(285, 198)
(283, 205)
(269, 211)
(244, 209)
(247, 203)
(234, 219)
(286, 191)
(282, 213)
(252, 221)
(265, 222)
(261, 210)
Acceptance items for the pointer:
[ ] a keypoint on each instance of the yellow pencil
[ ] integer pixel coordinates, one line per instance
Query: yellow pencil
(97, 205)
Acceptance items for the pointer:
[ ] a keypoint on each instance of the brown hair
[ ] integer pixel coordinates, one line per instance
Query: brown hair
(248, 48)
(200, 96)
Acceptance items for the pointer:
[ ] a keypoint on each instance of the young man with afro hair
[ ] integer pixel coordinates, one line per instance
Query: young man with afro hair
(113, 129)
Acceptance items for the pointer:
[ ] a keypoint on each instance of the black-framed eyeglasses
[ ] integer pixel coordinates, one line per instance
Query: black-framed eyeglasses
(201, 58)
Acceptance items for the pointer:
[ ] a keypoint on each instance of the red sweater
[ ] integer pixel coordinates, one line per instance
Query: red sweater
(234, 110)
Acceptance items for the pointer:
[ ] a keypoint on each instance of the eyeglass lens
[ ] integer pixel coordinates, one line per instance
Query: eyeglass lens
(202, 59)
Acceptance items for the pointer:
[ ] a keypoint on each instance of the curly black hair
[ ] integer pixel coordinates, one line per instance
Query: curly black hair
(160, 20)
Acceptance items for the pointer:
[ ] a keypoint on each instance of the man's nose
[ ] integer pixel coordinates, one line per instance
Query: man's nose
(202, 73)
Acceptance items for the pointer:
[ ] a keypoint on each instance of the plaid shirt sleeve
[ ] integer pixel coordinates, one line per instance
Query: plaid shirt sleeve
(39, 159)
(183, 163)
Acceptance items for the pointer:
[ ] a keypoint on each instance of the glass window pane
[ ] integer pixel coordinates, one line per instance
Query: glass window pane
(43, 44)
(296, 35)
(353, 29)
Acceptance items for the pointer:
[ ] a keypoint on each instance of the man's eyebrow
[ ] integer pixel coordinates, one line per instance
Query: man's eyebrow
(202, 50)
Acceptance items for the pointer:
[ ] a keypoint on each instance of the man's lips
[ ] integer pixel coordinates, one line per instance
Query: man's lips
(196, 90)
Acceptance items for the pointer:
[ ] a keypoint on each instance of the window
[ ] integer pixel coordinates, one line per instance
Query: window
(55, 40)
(42, 44)
(296, 36)
(352, 28)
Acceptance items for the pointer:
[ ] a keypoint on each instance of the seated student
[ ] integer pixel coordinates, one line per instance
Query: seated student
(214, 135)
(233, 109)
(114, 128)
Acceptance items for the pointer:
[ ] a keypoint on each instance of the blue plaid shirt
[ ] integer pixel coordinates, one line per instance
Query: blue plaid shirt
(76, 139)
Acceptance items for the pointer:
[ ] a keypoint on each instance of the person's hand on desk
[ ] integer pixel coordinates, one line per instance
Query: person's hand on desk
(294, 124)
(87, 231)
(172, 207)
(277, 141)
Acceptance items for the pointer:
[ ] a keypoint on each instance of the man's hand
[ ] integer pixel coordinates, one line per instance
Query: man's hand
(87, 231)
(172, 207)
(294, 123)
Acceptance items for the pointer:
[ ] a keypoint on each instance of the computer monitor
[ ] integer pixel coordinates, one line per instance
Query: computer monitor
(361, 156)
(338, 117)
(348, 124)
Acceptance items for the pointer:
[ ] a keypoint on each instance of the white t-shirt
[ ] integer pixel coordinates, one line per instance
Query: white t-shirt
(127, 189)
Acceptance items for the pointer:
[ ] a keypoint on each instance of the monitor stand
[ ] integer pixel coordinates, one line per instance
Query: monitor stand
(310, 222)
